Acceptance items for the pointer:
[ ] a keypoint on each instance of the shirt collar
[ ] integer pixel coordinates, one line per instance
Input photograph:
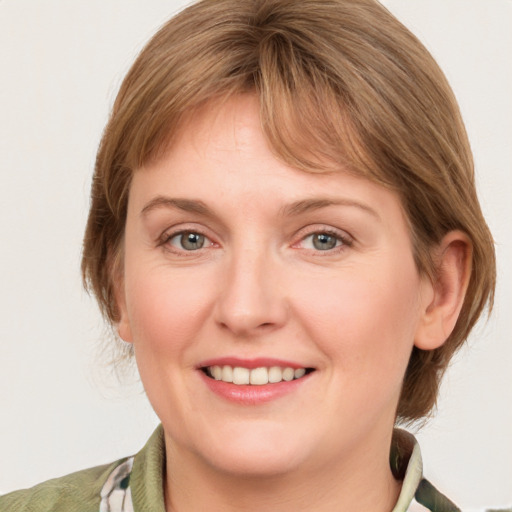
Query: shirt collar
(137, 484)
(407, 465)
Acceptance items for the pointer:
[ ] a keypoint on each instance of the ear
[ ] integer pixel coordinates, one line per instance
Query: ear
(444, 299)
(123, 325)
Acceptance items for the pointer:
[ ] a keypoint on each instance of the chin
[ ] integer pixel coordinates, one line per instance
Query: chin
(256, 453)
(257, 464)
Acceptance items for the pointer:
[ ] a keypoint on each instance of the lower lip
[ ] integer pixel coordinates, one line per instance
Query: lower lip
(252, 395)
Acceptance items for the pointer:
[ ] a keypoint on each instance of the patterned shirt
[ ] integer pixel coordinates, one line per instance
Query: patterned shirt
(136, 484)
(417, 494)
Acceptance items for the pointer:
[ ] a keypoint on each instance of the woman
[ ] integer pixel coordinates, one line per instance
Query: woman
(284, 229)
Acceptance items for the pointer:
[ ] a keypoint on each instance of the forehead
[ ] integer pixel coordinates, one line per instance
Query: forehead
(221, 158)
(230, 125)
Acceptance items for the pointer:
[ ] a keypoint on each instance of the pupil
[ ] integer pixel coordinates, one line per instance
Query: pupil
(192, 241)
(324, 241)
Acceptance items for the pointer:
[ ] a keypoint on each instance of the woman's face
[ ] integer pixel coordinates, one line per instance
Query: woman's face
(237, 266)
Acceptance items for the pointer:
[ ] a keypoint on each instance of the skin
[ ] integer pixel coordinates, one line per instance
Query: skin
(258, 287)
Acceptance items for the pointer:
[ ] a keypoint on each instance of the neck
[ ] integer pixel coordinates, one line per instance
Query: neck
(360, 482)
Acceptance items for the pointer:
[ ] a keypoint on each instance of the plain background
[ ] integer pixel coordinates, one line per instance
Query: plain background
(61, 64)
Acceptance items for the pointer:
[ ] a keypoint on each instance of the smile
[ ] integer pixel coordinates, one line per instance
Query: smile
(261, 376)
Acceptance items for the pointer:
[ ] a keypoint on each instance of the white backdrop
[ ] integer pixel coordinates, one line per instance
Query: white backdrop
(61, 64)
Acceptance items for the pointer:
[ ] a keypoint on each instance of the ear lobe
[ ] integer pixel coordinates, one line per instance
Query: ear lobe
(124, 329)
(123, 326)
(453, 270)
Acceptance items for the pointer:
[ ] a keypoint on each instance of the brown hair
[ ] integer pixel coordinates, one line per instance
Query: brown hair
(341, 84)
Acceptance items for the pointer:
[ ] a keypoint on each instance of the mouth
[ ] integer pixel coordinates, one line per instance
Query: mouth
(261, 376)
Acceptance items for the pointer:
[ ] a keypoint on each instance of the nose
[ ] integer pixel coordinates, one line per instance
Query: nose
(252, 300)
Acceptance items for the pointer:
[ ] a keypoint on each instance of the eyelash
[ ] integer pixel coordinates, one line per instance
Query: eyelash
(343, 241)
(166, 238)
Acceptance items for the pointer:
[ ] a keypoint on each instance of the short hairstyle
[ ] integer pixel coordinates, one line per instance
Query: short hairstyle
(341, 85)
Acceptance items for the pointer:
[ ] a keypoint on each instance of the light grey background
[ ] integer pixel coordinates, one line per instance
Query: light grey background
(61, 63)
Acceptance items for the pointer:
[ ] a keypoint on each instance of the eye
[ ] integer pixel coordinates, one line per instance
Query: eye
(188, 240)
(323, 241)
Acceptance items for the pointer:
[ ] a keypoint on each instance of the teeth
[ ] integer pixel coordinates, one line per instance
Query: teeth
(257, 376)
(227, 374)
(299, 372)
(216, 372)
(275, 374)
(288, 374)
(241, 375)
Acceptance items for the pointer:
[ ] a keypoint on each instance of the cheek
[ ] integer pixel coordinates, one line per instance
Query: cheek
(167, 308)
(365, 319)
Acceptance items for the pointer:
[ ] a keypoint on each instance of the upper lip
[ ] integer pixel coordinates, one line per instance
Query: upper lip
(258, 362)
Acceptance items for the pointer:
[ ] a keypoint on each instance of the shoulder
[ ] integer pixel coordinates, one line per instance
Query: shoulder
(77, 492)
(417, 494)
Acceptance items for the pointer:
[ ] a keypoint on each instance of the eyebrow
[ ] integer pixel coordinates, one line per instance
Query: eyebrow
(187, 205)
(293, 209)
(308, 205)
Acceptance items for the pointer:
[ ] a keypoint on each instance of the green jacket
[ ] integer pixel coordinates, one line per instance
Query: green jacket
(81, 491)
(136, 484)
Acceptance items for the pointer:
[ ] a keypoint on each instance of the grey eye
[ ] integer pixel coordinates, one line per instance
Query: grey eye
(324, 241)
(189, 241)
